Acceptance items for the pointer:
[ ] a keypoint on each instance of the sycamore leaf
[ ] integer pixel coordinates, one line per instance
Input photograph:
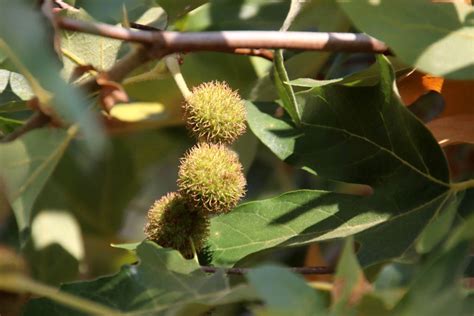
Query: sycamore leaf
(32, 52)
(420, 33)
(358, 134)
(80, 49)
(350, 284)
(27, 163)
(163, 283)
(285, 293)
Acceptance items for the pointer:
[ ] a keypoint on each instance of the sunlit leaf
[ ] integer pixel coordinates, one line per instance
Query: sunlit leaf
(138, 111)
(358, 134)
(420, 33)
(79, 49)
(33, 54)
(285, 293)
(25, 166)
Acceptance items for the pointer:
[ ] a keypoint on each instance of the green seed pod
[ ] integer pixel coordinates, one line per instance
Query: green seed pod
(172, 224)
(211, 179)
(215, 113)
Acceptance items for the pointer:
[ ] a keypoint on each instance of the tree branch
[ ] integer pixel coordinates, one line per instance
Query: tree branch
(37, 120)
(299, 270)
(173, 42)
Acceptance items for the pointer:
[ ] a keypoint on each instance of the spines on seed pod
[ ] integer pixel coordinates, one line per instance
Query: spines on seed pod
(215, 113)
(211, 179)
(172, 224)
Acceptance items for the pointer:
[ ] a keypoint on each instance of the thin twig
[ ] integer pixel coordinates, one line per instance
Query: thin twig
(37, 120)
(299, 270)
(230, 40)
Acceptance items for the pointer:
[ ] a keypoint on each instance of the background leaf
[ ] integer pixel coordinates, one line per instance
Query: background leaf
(34, 55)
(420, 33)
(285, 293)
(163, 283)
(25, 166)
(284, 89)
(383, 146)
(175, 9)
(80, 49)
(350, 284)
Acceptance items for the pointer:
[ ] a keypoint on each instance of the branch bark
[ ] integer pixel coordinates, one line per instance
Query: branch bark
(173, 42)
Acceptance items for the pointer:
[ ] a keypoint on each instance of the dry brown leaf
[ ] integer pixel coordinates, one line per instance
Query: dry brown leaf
(111, 92)
(455, 129)
(457, 94)
(315, 258)
(417, 84)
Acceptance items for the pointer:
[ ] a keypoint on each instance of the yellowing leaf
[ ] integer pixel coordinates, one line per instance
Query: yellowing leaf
(139, 111)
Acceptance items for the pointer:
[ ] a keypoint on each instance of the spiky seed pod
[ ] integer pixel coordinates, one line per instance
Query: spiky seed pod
(210, 177)
(172, 224)
(215, 113)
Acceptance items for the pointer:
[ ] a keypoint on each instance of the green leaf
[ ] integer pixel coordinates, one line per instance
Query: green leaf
(162, 283)
(26, 164)
(438, 282)
(80, 49)
(368, 77)
(356, 134)
(32, 50)
(349, 282)
(111, 11)
(55, 247)
(301, 217)
(237, 15)
(320, 15)
(285, 293)
(8, 125)
(176, 9)
(155, 17)
(128, 246)
(438, 228)
(14, 91)
(97, 190)
(420, 33)
(285, 90)
(351, 134)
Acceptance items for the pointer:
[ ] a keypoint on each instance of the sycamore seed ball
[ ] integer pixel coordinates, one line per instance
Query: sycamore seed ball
(172, 224)
(215, 113)
(211, 179)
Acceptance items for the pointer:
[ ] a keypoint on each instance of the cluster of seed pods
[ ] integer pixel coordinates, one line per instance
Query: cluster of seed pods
(210, 179)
